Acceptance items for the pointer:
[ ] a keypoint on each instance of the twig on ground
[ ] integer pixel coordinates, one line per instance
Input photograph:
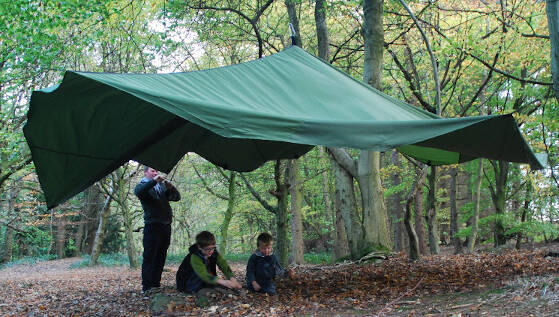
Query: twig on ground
(400, 297)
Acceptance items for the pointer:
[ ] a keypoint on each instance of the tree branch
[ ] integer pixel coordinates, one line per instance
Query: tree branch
(264, 203)
(208, 187)
(343, 158)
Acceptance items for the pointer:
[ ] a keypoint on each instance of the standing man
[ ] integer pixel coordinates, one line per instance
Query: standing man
(155, 192)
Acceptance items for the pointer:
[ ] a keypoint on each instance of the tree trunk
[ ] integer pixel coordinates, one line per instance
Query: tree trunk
(292, 13)
(527, 200)
(321, 30)
(454, 213)
(346, 206)
(231, 202)
(341, 245)
(419, 221)
(414, 251)
(60, 236)
(130, 244)
(78, 237)
(93, 204)
(282, 225)
(297, 246)
(498, 196)
(375, 218)
(432, 212)
(9, 234)
(477, 200)
(400, 238)
(100, 234)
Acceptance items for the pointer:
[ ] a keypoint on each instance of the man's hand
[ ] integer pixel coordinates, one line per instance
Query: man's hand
(256, 286)
(159, 178)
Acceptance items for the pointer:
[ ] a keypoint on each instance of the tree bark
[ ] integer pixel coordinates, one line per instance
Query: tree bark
(92, 211)
(231, 203)
(399, 229)
(375, 218)
(292, 13)
(9, 234)
(498, 196)
(282, 225)
(525, 208)
(100, 234)
(419, 221)
(321, 29)
(341, 245)
(346, 208)
(60, 236)
(432, 226)
(297, 246)
(454, 213)
(414, 251)
(477, 200)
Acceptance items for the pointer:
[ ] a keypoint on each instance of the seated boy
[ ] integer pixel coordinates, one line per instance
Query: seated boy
(198, 269)
(263, 266)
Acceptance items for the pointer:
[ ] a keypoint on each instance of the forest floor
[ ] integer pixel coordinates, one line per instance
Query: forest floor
(498, 283)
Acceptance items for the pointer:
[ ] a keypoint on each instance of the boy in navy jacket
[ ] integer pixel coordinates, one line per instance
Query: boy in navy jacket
(263, 266)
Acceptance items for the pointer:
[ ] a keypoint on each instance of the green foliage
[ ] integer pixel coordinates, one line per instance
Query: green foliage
(105, 259)
(29, 260)
(238, 257)
(114, 240)
(70, 247)
(36, 242)
(318, 258)
(535, 229)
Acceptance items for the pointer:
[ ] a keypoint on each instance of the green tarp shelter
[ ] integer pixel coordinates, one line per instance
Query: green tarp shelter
(238, 117)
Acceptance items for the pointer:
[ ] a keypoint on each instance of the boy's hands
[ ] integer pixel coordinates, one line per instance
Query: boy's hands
(232, 283)
(235, 284)
(256, 286)
(291, 273)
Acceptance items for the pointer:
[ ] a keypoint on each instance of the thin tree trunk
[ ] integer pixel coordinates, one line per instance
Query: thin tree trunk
(454, 213)
(414, 252)
(92, 211)
(346, 207)
(282, 225)
(477, 200)
(297, 246)
(100, 234)
(9, 234)
(400, 240)
(229, 213)
(498, 196)
(60, 236)
(78, 237)
(292, 13)
(432, 226)
(321, 30)
(527, 200)
(419, 221)
(130, 244)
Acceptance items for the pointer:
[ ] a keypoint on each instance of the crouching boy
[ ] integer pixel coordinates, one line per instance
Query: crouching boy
(263, 266)
(198, 269)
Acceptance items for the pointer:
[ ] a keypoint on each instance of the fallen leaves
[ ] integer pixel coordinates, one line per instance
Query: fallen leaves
(365, 288)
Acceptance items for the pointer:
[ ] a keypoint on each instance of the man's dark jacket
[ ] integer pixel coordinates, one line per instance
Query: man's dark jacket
(155, 199)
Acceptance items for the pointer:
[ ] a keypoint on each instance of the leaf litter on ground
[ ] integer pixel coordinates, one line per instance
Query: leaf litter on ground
(508, 283)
